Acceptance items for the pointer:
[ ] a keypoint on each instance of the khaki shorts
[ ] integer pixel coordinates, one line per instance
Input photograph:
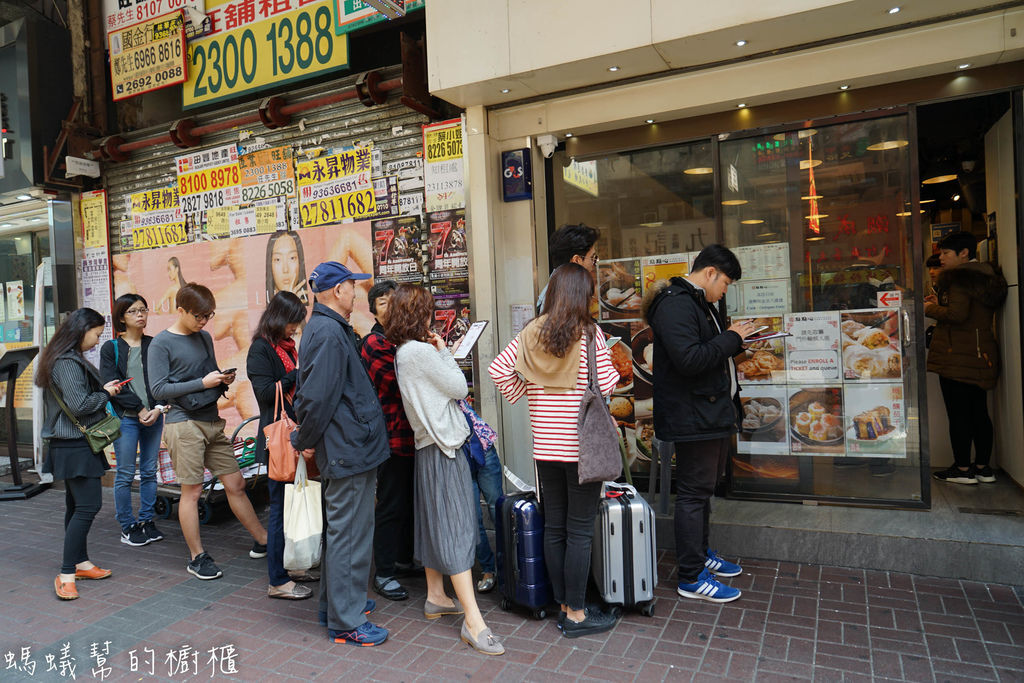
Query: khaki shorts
(194, 445)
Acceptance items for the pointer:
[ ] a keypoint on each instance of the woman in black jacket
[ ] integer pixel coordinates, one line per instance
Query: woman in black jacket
(142, 420)
(272, 358)
(63, 370)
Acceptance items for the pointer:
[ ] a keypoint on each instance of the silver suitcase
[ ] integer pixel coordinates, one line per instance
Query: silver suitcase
(625, 566)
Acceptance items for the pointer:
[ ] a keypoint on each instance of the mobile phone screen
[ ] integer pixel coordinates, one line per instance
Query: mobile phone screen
(228, 371)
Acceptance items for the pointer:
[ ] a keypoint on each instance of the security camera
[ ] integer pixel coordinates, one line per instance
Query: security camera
(547, 144)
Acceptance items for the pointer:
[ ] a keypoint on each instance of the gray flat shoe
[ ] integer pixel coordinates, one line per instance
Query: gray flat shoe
(486, 642)
(298, 592)
(485, 584)
(432, 611)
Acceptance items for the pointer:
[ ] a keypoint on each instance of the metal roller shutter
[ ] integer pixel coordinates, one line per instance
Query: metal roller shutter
(339, 125)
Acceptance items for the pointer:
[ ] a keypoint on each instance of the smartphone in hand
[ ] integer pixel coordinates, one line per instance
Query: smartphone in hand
(123, 382)
(228, 371)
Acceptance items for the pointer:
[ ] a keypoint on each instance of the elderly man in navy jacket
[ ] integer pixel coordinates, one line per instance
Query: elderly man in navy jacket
(340, 418)
(696, 406)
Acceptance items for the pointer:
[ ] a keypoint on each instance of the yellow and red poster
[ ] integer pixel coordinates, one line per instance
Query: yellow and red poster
(147, 56)
(336, 188)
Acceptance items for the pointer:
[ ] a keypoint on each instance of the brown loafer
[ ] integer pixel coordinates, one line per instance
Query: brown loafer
(297, 592)
(93, 573)
(65, 591)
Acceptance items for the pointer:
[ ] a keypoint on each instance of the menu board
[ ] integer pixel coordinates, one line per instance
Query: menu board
(764, 422)
(764, 261)
(816, 419)
(762, 362)
(875, 420)
(619, 288)
(764, 297)
(813, 347)
(654, 268)
(871, 345)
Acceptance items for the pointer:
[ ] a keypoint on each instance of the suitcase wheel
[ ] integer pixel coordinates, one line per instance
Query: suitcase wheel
(647, 609)
(163, 507)
(505, 604)
(540, 614)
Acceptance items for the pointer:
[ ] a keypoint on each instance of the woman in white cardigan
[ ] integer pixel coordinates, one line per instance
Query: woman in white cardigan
(445, 529)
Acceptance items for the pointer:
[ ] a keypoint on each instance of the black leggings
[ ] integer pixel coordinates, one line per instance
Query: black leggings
(83, 497)
(569, 512)
(967, 410)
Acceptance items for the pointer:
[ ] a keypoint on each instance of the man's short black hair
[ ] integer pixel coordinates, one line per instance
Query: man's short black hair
(958, 241)
(568, 241)
(933, 261)
(380, 288)
(719, 257)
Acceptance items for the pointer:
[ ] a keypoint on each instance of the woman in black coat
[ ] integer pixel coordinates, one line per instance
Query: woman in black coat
(272, 358)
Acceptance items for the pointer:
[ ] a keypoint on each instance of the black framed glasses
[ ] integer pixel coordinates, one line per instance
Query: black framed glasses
(137, 311)
(203, 317)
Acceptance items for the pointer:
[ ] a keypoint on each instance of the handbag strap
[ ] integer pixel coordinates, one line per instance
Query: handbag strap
(56, 394)
(592, 381)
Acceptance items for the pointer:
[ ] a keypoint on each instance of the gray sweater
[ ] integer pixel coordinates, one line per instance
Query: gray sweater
(431, 382)
(177, 365)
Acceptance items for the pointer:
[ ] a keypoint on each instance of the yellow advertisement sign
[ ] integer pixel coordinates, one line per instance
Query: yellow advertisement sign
(157, 219)
(351, 206)
(217, 220)
(443, 144)
(583, 175)
(267, 173)
(336, 188)
(147, 56)
(267, 44)
(159, 236)
(94, 219)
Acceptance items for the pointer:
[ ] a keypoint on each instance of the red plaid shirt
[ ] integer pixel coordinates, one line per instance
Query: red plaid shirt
(379, 356)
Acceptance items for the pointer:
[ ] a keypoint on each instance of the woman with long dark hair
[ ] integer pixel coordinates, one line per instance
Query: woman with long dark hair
(444, 529)
(286, 265)
(547, 362)
(273, 358)
(142, 420)
(63, 371)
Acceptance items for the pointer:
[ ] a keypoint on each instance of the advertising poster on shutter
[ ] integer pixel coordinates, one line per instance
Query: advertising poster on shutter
(448, 254)
(400, 249)
(209, 179)
(336, 188)
(443, 166)
(147, 56)
(157, 219)
(385, 196)
(267, 173)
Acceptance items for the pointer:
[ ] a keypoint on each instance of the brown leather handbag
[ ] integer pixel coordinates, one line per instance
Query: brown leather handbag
(282, 455)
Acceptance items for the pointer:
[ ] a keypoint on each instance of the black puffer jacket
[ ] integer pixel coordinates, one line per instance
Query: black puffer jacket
(692, 375)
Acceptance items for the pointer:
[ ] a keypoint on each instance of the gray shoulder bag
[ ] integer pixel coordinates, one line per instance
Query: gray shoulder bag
(600, 457)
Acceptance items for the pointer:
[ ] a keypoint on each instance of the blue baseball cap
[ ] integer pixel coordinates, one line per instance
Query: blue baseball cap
(330, 274)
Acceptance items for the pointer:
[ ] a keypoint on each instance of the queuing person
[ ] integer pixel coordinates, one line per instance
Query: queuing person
(571, 243)
(486, 471)
(183, 373)
(392, 536)
(431, 383)
(272, 359)
(125, 358)
(548, 363)
(696, 406)
(340, 419)
(964, 352)
(63, 370)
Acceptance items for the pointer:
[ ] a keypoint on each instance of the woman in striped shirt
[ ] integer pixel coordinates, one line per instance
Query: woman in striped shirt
(547, 362)
(63, 370)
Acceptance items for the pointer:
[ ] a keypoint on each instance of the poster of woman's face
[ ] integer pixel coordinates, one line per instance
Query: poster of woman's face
(286, 268)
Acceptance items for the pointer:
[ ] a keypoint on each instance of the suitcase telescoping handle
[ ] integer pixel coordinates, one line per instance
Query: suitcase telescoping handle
(615, 490)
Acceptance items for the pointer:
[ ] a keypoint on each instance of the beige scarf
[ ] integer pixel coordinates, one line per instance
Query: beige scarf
(538, 366)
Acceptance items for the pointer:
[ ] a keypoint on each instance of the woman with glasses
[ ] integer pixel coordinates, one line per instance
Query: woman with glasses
(125, 359)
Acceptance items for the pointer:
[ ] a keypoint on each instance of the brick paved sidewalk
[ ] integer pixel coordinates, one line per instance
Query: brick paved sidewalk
(794, 622)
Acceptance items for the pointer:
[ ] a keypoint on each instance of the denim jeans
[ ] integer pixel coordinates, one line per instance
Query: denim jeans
(135, 436)
(486, 480)
(275, 534)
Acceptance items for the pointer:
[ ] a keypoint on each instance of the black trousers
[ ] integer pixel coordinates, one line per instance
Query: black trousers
(569, 511)
(967, 410)
(699, 465)
(83, 497)
(392, 537)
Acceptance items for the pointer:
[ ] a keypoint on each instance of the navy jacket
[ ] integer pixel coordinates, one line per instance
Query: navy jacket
(692, 376)
(111, 370)
(336, 405)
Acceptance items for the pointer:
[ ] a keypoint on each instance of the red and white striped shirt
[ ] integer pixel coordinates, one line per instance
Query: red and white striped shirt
(553, 414)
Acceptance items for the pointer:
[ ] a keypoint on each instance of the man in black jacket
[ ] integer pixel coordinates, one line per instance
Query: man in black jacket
(340, 417)
(695, 406)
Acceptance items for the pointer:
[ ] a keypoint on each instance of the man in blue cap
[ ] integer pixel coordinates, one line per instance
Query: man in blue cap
(340, 419)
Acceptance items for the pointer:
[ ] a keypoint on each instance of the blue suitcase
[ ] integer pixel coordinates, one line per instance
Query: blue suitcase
(522, 576)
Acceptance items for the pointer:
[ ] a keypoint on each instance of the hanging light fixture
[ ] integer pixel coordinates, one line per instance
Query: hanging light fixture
(940, 171)
(884, 137)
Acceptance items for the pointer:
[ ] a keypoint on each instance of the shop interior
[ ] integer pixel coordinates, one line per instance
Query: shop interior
(828, 216)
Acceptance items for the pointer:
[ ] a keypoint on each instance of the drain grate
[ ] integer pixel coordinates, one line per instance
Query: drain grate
(1002, 512)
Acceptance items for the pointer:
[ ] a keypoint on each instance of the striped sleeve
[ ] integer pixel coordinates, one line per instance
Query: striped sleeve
(503, 371)
(74, 388)
(607, 375)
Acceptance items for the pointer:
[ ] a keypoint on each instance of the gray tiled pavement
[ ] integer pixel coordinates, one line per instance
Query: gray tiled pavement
(794, 622)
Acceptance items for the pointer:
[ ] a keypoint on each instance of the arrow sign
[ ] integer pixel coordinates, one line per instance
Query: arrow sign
(890, 299)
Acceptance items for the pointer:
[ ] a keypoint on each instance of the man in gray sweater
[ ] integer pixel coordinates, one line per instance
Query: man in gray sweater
(183, 373)
(340, 419)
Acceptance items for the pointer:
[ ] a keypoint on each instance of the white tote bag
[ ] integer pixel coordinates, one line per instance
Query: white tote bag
(303, 521)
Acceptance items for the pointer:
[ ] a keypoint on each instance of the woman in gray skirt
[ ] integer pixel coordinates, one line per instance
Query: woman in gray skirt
(445, 530)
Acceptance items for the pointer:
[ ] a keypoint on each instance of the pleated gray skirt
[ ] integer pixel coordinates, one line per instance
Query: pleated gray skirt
(445, 529)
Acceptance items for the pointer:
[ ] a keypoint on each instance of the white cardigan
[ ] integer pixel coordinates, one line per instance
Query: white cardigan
(430, 382)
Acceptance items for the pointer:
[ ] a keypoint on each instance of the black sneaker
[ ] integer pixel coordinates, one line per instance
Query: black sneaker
(956, 475)
(258, 550)
(134, 536)
(595, 621)
(152, 533)
(984, 474)
(202, 567)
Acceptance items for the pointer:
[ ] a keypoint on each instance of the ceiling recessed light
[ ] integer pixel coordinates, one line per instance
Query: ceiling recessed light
(894, 10)
(741, 105)
(844, 87)
(740, 43)
(956, 198)
(753, 221)
(24, 197)
(568, 135)
(964, 66)
(613, 69)
(650, 120)
(733, 202)
(505, 91)
(699, 170)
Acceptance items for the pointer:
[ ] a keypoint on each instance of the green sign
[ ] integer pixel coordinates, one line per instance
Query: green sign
(352, 15)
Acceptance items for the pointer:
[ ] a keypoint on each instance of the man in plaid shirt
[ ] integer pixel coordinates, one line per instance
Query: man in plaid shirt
(392, 539)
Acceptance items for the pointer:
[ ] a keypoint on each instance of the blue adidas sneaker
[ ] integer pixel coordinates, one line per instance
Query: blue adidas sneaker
(366, 635)
(720, 567)
(708, 588)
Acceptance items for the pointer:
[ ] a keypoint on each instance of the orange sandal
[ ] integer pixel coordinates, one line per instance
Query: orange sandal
(92, 573)
(65, 591)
